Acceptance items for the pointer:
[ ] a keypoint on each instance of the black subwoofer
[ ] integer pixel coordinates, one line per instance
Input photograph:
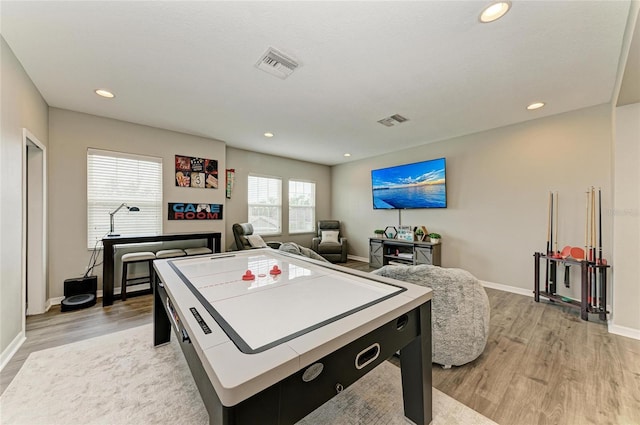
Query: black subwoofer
(79, 293)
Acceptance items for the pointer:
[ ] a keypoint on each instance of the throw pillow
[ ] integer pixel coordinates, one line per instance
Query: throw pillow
(330, 236)
(256, 241)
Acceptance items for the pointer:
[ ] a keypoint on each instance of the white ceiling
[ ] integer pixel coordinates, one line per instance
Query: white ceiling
(189, 67)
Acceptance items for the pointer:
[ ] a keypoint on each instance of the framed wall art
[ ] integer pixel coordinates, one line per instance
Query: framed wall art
(196, 172)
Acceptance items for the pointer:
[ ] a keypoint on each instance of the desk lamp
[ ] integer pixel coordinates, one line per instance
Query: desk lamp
(111, 214)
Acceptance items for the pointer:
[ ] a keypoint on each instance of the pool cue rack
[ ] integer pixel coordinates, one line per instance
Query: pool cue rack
(593, 284)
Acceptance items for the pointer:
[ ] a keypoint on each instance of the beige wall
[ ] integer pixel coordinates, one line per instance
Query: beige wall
(71, 134)
(497, 185)
(626, 220)
(22, 107)
(245, 162)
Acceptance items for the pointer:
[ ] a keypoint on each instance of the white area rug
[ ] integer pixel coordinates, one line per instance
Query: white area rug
(121, 378)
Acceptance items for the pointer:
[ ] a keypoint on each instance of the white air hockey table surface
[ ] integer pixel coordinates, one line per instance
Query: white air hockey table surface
(256, 317)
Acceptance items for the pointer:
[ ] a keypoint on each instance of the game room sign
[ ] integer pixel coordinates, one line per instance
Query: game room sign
(189, 211)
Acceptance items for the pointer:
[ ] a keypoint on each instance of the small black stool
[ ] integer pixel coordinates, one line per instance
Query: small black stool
(136, 257)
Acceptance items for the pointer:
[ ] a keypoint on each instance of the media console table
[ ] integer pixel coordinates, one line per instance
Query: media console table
(384, 250)
(109, 244)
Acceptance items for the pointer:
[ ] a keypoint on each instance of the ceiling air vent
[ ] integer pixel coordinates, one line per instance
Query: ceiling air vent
(276, 63)
(387, 122)
(393, 120)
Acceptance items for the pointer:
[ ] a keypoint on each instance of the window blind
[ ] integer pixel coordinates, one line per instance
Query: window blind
(114, 178)
(302, 206)
(264, 199)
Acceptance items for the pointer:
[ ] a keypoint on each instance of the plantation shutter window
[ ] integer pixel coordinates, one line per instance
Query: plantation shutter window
(264, 199)
(114, 178)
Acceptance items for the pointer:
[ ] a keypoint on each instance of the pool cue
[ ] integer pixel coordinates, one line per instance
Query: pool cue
(557, 207)
(556, 251)
(587, 249)
(602, 270)
(593, 245)
(586, 230)
(552, 265)
(546, 280)
(590, 255)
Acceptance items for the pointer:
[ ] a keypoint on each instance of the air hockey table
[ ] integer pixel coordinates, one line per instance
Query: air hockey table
(270, 336)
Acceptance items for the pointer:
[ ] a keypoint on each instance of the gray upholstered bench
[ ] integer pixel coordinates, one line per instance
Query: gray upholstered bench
(460, 310)
(198, 250)
(169, 253)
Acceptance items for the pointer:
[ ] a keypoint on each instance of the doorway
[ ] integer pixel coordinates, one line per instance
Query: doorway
(34, 223)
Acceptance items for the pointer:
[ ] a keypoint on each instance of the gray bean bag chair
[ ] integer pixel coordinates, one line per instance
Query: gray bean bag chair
(459, 310)
(294, 248)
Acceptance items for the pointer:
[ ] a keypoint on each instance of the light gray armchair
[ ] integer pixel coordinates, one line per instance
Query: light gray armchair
(329, 243)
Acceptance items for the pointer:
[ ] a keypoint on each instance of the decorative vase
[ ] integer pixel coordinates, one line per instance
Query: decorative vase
(435, 240)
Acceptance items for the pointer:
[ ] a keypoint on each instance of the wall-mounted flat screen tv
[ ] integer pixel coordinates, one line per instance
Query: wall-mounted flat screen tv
(418, 185)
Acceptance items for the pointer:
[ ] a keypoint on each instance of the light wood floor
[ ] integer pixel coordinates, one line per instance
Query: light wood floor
(542, 364)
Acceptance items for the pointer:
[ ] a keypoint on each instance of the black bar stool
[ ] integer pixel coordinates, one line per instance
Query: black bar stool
(132, 258)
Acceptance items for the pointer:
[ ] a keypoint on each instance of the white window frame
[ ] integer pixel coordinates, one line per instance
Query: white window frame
(114, 178)
(264, 192)
(292, 207)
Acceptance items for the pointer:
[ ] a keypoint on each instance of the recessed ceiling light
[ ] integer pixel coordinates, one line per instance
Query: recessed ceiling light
(494, 11)
(105, 93)
(536, 105)
(347, 155)
(268, 134)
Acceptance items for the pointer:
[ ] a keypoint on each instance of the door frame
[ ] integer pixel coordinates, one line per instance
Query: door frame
(34, 246)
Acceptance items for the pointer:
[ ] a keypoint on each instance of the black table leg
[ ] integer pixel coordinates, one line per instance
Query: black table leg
(107, 274)
(415, 363)
(161, 324)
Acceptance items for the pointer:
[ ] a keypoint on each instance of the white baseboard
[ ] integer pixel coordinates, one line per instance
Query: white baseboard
(55, 301)
(11, 350)
(356, 258)
(623, 331)
(507, 288)
(611, 327)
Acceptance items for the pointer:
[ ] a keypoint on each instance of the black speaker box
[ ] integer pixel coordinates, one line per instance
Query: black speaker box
(79, 293)
(81, 285)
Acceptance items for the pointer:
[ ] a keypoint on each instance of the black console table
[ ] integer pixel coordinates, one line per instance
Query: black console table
(593, 286)
(109, 243)
(383, 251)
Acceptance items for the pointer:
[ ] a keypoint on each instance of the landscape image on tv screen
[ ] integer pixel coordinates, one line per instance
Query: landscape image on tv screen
(417, 185)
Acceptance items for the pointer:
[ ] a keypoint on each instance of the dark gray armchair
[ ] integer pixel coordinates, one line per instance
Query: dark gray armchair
(331, 245)
(240, 233)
